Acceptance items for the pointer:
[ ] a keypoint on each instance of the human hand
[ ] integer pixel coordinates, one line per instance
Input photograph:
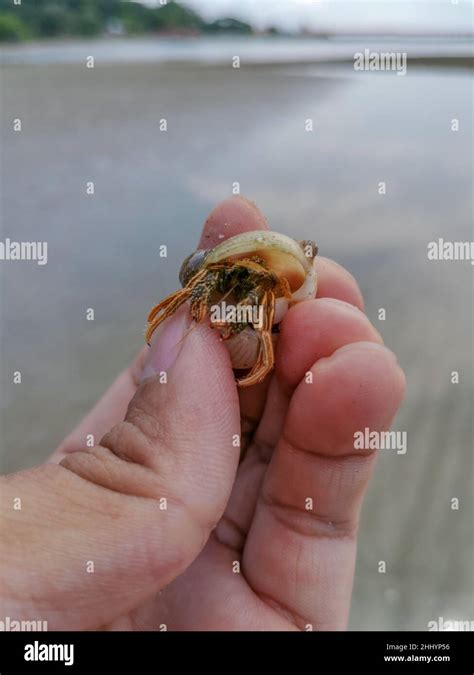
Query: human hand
(173, 446)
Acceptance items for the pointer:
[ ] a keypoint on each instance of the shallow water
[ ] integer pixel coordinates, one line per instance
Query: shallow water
(154, 188)
(221, 49)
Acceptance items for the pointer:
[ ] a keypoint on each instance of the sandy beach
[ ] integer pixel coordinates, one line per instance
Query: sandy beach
(247, 126)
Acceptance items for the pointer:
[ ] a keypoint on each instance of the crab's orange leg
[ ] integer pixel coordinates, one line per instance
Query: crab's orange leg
(263, 365)
(170, 304)
(285, 287)
(270, 313)
(167, 307)
(266, 358)
(170, 298)
(165, 303)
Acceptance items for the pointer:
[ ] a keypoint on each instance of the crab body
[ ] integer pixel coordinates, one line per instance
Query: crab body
(244, 286)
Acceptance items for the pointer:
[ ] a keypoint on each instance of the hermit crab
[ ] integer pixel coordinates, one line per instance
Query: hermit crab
(244, 286)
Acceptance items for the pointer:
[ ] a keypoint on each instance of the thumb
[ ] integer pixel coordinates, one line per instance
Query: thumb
(178, 434)
(108, 528)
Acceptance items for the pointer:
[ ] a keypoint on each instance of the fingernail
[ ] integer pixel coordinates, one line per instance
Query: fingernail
(166, 343)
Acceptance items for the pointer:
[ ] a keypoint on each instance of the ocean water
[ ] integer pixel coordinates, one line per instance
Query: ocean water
(221, 49)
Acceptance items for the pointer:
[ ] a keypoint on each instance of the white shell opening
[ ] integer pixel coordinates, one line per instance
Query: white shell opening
(243, 348)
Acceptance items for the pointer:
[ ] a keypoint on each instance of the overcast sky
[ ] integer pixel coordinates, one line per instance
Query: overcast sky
(353, 14)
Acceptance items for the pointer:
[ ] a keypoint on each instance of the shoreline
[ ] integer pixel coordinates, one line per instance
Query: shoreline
(261, 51)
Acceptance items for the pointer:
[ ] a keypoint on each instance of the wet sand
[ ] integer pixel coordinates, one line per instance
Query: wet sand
(154, 188)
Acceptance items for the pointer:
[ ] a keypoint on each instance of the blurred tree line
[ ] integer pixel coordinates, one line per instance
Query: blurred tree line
(32, 19)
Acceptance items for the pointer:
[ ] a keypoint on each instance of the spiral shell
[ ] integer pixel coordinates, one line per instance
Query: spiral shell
(284, 256)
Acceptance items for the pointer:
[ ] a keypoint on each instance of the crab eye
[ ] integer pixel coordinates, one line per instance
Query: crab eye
(192, 265)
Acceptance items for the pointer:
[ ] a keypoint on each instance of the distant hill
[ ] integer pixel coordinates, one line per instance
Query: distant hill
(33, 19)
